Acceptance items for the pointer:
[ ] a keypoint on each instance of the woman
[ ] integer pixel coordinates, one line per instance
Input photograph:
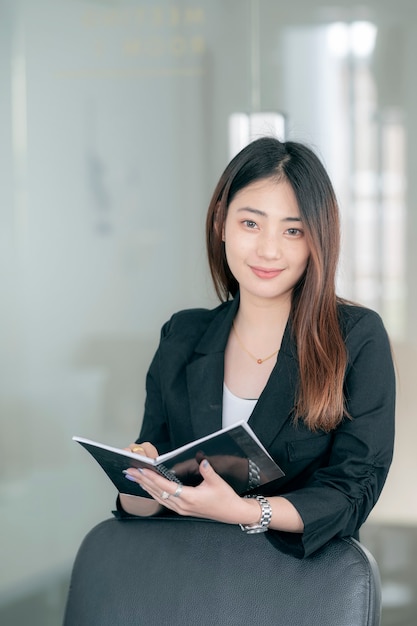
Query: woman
(311, 373)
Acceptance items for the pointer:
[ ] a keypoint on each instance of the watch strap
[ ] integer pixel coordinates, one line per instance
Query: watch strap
(265, 520)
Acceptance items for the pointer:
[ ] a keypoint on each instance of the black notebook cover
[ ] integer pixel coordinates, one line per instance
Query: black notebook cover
(227, 450)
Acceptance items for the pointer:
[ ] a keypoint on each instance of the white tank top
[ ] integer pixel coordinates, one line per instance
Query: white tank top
(236, 409)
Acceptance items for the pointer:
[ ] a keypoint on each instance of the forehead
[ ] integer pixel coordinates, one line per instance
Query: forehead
(266, 192)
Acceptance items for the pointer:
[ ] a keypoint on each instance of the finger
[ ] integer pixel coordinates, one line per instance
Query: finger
(170, 497)
(151, 481)
(136, 449)
(150, 449)
(207, 472)
(136, 475)
(144, 448)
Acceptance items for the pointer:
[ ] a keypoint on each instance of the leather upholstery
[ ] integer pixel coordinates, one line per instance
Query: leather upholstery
(180, 571)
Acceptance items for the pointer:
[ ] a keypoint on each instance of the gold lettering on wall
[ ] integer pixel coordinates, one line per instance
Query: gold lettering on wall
(143, 40)
(156, 15)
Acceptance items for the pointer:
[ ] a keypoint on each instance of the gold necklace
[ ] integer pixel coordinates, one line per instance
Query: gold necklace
(259, 361)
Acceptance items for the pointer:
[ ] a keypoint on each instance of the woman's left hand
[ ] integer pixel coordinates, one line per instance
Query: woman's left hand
(212, 499)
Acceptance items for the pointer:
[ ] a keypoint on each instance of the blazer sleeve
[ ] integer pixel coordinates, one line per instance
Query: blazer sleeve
(338, 498)
(155, 424)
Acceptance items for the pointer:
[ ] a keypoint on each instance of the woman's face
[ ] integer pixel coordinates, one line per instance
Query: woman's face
(265, 243)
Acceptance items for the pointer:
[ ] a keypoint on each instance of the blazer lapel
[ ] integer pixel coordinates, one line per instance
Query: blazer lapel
(205, 393)
(276, 403)
(205, 373)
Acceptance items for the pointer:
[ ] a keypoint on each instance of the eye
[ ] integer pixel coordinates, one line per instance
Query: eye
(249, 224)
(294, 232)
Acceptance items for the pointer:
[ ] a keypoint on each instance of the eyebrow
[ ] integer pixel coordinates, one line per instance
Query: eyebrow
(263, 214)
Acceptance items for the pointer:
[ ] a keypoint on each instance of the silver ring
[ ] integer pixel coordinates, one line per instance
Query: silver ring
(178, 491)
(165, 495)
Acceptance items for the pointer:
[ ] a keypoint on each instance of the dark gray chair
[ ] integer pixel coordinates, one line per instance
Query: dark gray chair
(178, 572)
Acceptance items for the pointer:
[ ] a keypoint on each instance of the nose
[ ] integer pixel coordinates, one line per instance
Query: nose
(269, 246)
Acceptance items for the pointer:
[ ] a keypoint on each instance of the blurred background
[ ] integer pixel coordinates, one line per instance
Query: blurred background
(116, 120)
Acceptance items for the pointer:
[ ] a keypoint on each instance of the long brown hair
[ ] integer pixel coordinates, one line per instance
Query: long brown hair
(314, 313)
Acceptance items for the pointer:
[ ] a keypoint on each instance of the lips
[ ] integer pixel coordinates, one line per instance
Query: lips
(262, 272)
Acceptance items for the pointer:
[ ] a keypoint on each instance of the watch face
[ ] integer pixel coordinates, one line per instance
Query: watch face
(257, 530)
(254, 529)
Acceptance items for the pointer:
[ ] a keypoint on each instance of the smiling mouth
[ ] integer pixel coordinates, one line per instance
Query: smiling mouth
(261, 272)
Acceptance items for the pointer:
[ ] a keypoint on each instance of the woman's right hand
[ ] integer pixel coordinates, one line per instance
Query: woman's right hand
(138, 505)
(145, 449)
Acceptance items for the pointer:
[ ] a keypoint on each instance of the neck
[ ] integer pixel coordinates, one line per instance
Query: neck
(259, 328)
(265, 316)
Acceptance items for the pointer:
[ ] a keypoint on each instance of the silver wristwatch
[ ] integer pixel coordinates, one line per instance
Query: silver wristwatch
(266, 514)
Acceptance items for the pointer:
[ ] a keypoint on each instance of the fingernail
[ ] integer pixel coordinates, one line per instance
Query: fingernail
(205, 463)
(129, 477)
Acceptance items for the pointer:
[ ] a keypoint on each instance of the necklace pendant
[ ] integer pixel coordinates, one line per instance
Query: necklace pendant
(252, 356)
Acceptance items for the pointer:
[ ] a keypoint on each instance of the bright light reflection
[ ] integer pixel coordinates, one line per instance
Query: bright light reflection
(245, 127)
(338, 39)
(357, 38)
(363, 36)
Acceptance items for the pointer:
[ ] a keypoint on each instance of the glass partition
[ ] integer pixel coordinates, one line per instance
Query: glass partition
(114, 125)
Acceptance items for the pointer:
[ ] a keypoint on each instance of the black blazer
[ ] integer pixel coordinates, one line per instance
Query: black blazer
(332, 479)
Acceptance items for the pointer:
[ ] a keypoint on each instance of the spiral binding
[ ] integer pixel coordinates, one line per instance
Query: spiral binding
(170, 474)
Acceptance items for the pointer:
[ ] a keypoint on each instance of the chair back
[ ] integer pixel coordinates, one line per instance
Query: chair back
(167, 571)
